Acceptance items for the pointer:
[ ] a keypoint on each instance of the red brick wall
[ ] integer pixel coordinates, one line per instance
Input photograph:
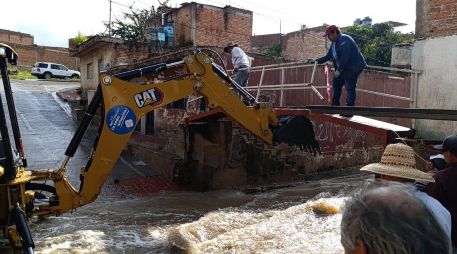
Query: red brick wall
(214, 26)
(128, 54)
(261, 43)
(436, 18)
(303, 45)
(183, 24)
(8, 36)
(28, 55)
(217, 27)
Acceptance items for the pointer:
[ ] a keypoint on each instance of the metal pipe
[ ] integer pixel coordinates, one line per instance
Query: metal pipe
(78, 136)
(311, 84)
(260, 84)
(302, 87)
(65, 162)
(392, 69)
(10, 168)
(301, 65)
(12, 111)
(281, 99)
(430, 114)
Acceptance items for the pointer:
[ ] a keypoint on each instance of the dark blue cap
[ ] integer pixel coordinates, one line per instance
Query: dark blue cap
(449, 144)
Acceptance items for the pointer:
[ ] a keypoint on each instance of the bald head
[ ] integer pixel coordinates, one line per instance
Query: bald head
(388, 219)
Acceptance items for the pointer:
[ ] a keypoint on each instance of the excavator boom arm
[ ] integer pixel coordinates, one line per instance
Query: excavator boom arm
(124, 104)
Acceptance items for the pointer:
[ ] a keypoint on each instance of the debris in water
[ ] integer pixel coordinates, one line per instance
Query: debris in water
(325, 208)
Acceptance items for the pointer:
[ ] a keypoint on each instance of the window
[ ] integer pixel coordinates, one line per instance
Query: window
(90, 71)
(55, 67)
(63, 68)
(100, 65)
(42, 65)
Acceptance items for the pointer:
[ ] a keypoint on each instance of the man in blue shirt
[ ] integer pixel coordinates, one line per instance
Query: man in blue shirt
(348, 63)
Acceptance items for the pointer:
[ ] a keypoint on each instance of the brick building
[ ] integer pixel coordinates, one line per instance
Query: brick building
(206, 25)
(435, 54)
(261, 43)
(300, 45)
(305, 44)
(30, 53)
(436, 18)
(100, 53)
(8, 36)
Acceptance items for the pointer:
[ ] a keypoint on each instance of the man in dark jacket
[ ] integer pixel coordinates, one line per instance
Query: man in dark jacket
(444, 189)
(348, 63)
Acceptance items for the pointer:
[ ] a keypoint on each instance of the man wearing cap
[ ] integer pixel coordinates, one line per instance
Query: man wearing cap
(444, 189)
(398, 164)
(348, 63)
(241, 63)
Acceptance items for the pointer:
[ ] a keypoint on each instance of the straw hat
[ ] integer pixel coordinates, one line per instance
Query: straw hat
(230, 45)
(398, 160)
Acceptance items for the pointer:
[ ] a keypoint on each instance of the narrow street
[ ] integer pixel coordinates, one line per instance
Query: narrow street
(47, 128)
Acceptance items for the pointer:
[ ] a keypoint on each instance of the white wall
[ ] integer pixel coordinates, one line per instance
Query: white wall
(437, 59)
(106, 54)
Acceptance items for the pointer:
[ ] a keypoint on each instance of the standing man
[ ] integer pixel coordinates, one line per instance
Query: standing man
(241, 63)
(348, 63)
(444, 189)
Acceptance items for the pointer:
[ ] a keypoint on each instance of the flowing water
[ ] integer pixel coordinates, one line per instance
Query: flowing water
(301, 219)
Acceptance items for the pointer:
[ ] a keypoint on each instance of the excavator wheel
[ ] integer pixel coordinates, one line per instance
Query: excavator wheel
(296, 131)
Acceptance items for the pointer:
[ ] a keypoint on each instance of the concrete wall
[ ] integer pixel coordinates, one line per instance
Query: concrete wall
(109, 55)
(105, 54)
(437, 58)
(221, 154)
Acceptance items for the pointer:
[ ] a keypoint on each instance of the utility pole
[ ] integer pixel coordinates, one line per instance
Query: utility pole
(280, 34)
(109, 20)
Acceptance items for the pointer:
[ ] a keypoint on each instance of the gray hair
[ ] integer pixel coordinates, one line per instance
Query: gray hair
(388, 219)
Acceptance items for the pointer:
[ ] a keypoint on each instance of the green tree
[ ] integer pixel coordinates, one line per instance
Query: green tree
(376, 42)
(274, 51)
(78, 39)
(130, 26)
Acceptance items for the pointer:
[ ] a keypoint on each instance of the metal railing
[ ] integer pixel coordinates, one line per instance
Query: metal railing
(282, 86)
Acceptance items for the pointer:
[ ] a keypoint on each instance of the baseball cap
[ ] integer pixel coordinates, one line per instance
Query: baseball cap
(331, 29)
(449, 144)
(438, 161)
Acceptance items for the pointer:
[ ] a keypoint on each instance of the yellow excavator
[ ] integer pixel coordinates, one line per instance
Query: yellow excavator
(122, 99)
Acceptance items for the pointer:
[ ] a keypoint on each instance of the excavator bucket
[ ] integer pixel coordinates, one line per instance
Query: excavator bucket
(296, 131)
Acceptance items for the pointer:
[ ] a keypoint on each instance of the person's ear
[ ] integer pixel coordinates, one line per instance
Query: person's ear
(360, 248)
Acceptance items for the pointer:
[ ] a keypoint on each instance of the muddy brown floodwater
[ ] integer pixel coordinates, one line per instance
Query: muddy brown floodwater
(280, 221)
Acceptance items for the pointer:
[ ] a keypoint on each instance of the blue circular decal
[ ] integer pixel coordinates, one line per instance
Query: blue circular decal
(121, 120)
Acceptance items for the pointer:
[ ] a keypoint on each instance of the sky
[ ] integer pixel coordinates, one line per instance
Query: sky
(52, 22)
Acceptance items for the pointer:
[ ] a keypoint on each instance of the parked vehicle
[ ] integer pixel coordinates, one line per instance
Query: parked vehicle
(53, 70)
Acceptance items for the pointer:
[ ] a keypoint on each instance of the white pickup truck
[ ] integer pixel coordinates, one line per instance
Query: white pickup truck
(50, 70)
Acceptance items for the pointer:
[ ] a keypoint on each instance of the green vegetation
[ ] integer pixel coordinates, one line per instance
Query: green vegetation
(376, 41)
(130, 26)
(274, 51)
(22, 75)
(78, 39)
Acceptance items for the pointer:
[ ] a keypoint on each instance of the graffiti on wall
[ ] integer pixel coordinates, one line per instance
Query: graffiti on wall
(334, 137)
